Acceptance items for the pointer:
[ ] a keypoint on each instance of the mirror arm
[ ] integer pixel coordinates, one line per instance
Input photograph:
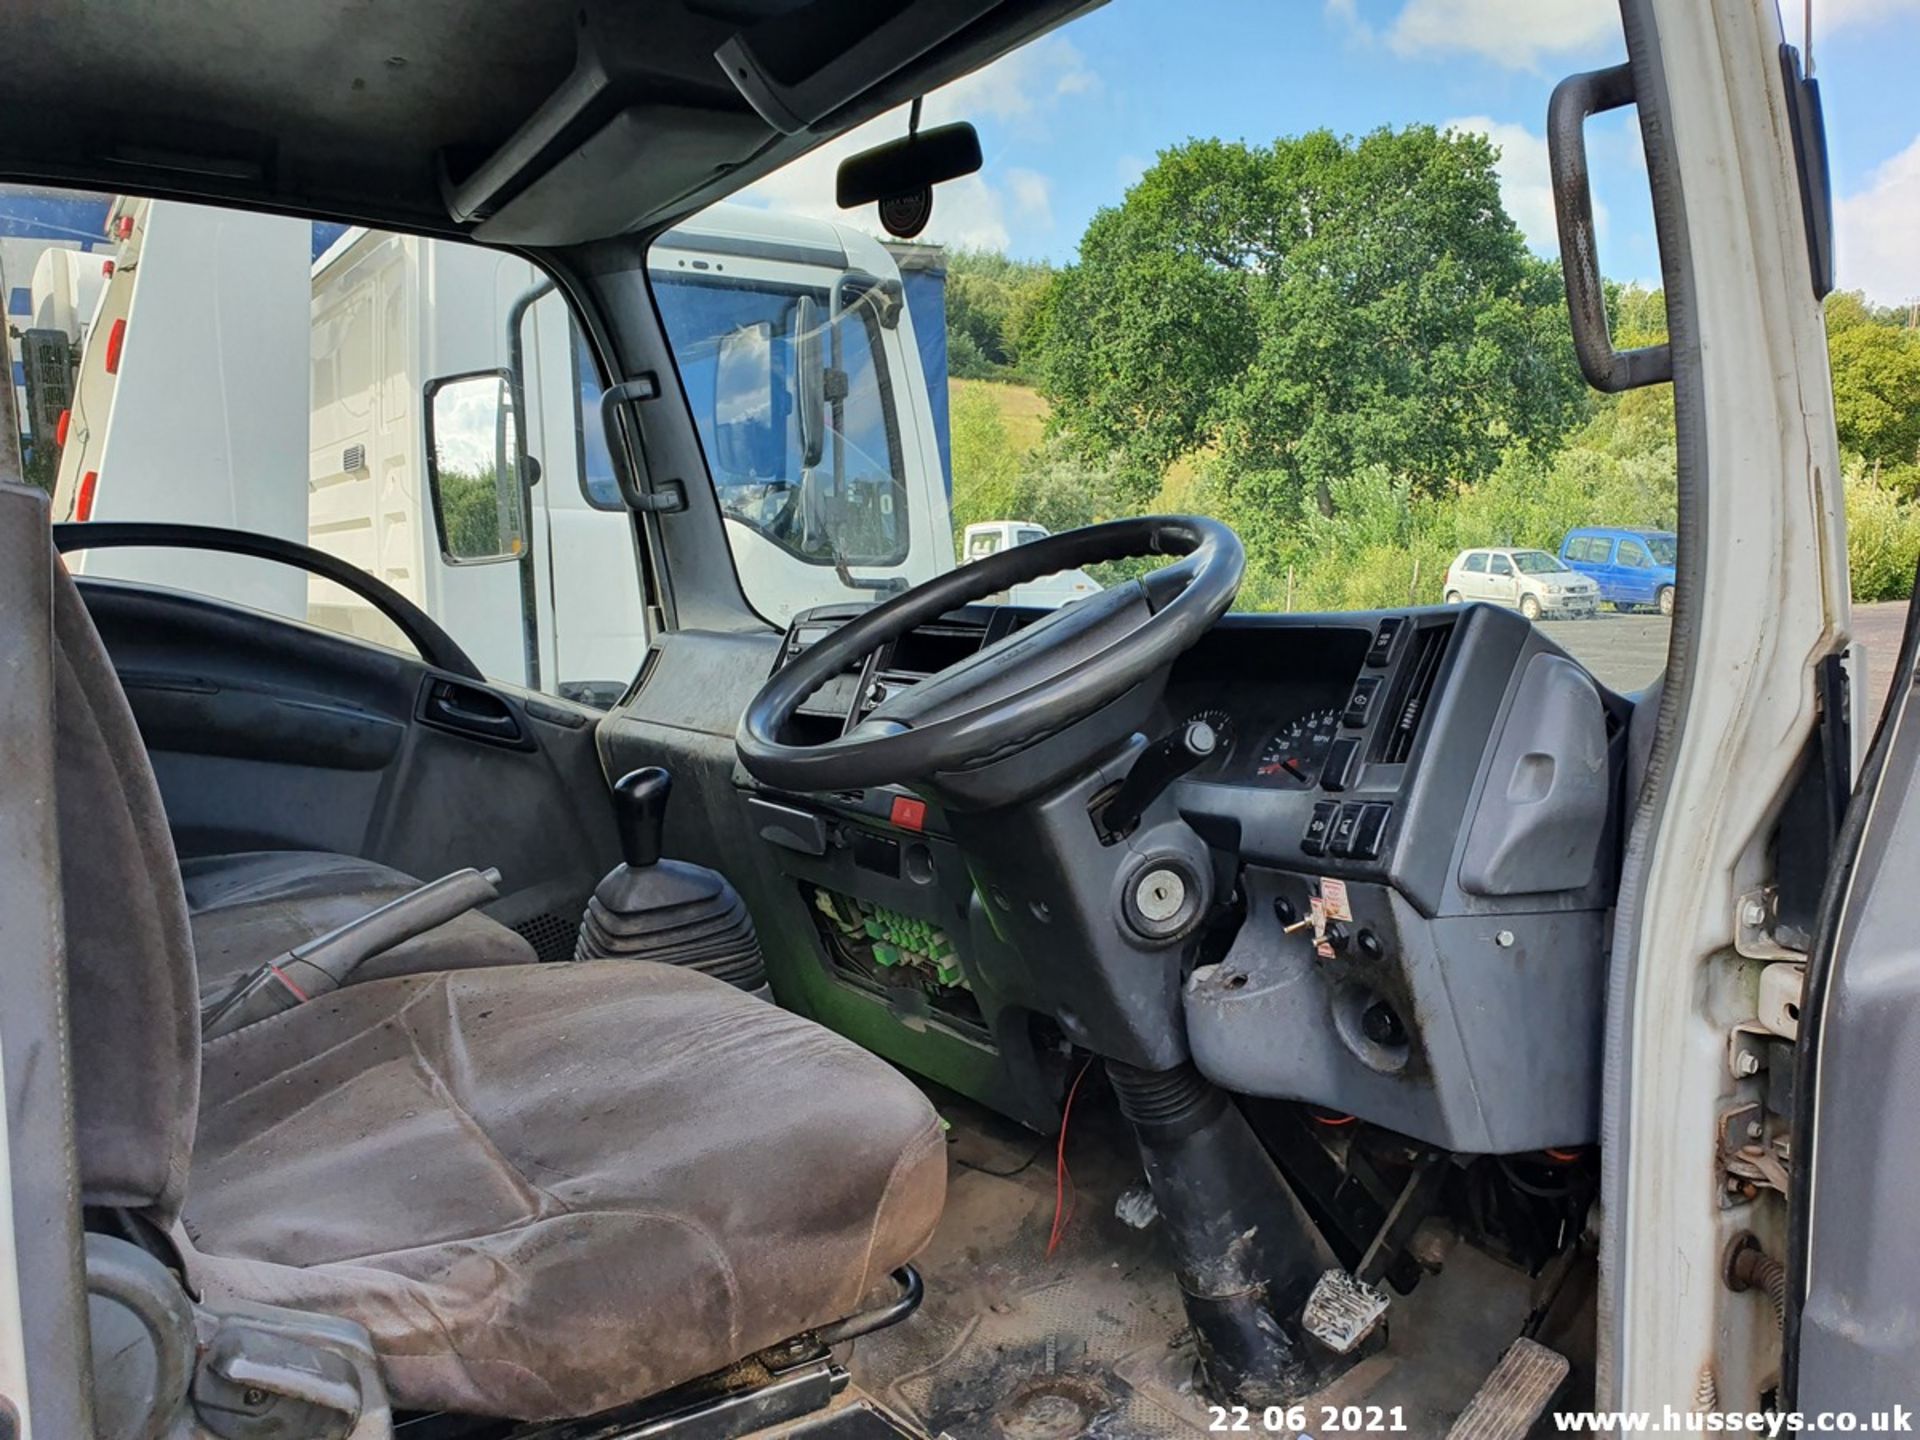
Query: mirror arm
(517, 369)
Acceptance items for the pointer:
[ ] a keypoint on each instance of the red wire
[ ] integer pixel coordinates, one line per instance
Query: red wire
(1062, 1177)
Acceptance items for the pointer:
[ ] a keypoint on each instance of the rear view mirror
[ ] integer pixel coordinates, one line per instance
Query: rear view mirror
(809, 381)
(901, 174)
(473, 468)
(749, 423)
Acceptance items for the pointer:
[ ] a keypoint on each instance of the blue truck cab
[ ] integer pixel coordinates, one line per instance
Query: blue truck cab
(1633, 568)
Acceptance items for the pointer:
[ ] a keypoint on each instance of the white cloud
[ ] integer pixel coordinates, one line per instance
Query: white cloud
(1521, 34)
(1019, 86)
(1346, 13)
(1526, 182)
(1032, 197)
(1515, 33)
(980, 211)
(1875, 245)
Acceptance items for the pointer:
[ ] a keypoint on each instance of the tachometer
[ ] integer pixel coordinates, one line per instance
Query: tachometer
(1294, 756)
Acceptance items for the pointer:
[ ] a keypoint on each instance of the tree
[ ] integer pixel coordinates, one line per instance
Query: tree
(1876, 392)
(1306, 310)
(990, 302)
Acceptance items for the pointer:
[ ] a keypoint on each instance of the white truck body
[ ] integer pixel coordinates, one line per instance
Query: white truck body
(219, 339)
(990, 537)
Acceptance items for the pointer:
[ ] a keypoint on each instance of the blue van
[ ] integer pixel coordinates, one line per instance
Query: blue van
(1633, 568)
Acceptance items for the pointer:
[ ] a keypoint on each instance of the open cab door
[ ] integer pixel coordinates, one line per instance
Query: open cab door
(1851, 1317)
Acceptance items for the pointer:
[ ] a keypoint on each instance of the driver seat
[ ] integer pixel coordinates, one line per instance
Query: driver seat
(545, 1190)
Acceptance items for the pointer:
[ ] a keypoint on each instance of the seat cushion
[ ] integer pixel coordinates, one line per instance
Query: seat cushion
(248, 908)
(549, 1190)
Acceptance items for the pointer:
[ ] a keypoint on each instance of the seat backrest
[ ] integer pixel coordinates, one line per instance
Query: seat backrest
(134, 1015)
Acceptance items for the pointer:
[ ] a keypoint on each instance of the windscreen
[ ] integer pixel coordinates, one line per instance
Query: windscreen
(1298, 272)
(1536, 562)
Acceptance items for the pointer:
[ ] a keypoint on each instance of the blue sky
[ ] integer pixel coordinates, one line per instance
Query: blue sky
(1070, 121)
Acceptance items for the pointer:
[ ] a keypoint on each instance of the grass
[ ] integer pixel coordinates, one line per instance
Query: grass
(1023, 410)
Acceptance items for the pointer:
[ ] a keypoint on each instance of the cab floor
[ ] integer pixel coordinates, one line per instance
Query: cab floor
(1011, 1344)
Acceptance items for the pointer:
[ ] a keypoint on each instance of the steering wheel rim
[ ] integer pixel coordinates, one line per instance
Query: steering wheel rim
(1175, 606)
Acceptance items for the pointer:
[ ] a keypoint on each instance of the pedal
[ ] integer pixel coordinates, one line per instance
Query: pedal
(1343, 1311)
(1514, 1396)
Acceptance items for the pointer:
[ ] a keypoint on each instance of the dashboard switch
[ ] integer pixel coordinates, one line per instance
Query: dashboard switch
(1383, 638)
(1369, 831)
(1314, 842)
(1343, 761)
(1360, 704)
(1340, 842)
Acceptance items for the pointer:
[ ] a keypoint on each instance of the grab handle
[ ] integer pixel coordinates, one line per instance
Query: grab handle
(1574, 99)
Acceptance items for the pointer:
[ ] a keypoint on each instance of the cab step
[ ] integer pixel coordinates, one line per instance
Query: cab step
(1514, 1396)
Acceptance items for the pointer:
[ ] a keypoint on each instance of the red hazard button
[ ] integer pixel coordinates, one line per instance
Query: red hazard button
(908, 813)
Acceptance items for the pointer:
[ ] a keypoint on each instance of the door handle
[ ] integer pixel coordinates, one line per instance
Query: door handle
(468, 710)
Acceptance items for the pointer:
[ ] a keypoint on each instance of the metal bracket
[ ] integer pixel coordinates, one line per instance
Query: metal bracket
(1751, 1160)
(1754, 917)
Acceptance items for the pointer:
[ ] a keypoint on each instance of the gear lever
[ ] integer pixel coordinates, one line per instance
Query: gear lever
(666, 910)
(640, 814)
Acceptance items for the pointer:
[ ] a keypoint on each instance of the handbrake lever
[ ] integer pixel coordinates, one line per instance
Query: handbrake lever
(325, 962)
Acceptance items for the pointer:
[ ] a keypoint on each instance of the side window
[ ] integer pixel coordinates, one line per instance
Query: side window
(1477, 563)
(1634, 555)
(1580, 549)
(1028, 535)
(1500, 565)
(329, 342)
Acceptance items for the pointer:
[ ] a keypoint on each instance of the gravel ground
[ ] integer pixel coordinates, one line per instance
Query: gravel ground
(1628, 651)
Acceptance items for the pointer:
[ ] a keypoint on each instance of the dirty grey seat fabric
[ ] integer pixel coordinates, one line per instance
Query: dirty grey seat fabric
(544, 1189)
(547, 1194)
(247, 908)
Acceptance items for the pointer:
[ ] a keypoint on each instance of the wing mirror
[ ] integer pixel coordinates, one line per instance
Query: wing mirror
(810, 380)
(474, 468)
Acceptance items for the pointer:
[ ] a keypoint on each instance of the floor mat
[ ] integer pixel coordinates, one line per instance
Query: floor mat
(1012, 1344)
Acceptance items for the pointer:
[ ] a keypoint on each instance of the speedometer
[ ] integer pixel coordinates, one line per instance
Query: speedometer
(1294, 755)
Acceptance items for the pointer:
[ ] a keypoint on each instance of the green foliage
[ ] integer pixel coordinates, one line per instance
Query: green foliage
(1883, 536)
(1306, 310)
(470, 511)
(992, 480)
(991, 300)
(1876, 391)
(1341, 349)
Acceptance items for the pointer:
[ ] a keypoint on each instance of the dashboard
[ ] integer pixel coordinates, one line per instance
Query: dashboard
(1404, 842)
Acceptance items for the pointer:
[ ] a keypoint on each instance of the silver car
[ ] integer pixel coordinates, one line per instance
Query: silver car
(1530, 581)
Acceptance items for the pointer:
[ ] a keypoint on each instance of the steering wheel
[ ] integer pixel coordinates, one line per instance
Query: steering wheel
(1028, 686)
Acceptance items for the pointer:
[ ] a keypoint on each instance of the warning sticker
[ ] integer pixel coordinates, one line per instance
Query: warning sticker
(1333, 899)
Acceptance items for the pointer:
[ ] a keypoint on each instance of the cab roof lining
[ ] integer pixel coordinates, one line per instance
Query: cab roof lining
(374, 111)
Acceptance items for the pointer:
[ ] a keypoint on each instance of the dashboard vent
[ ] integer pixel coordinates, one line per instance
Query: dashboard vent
(1415, 692)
